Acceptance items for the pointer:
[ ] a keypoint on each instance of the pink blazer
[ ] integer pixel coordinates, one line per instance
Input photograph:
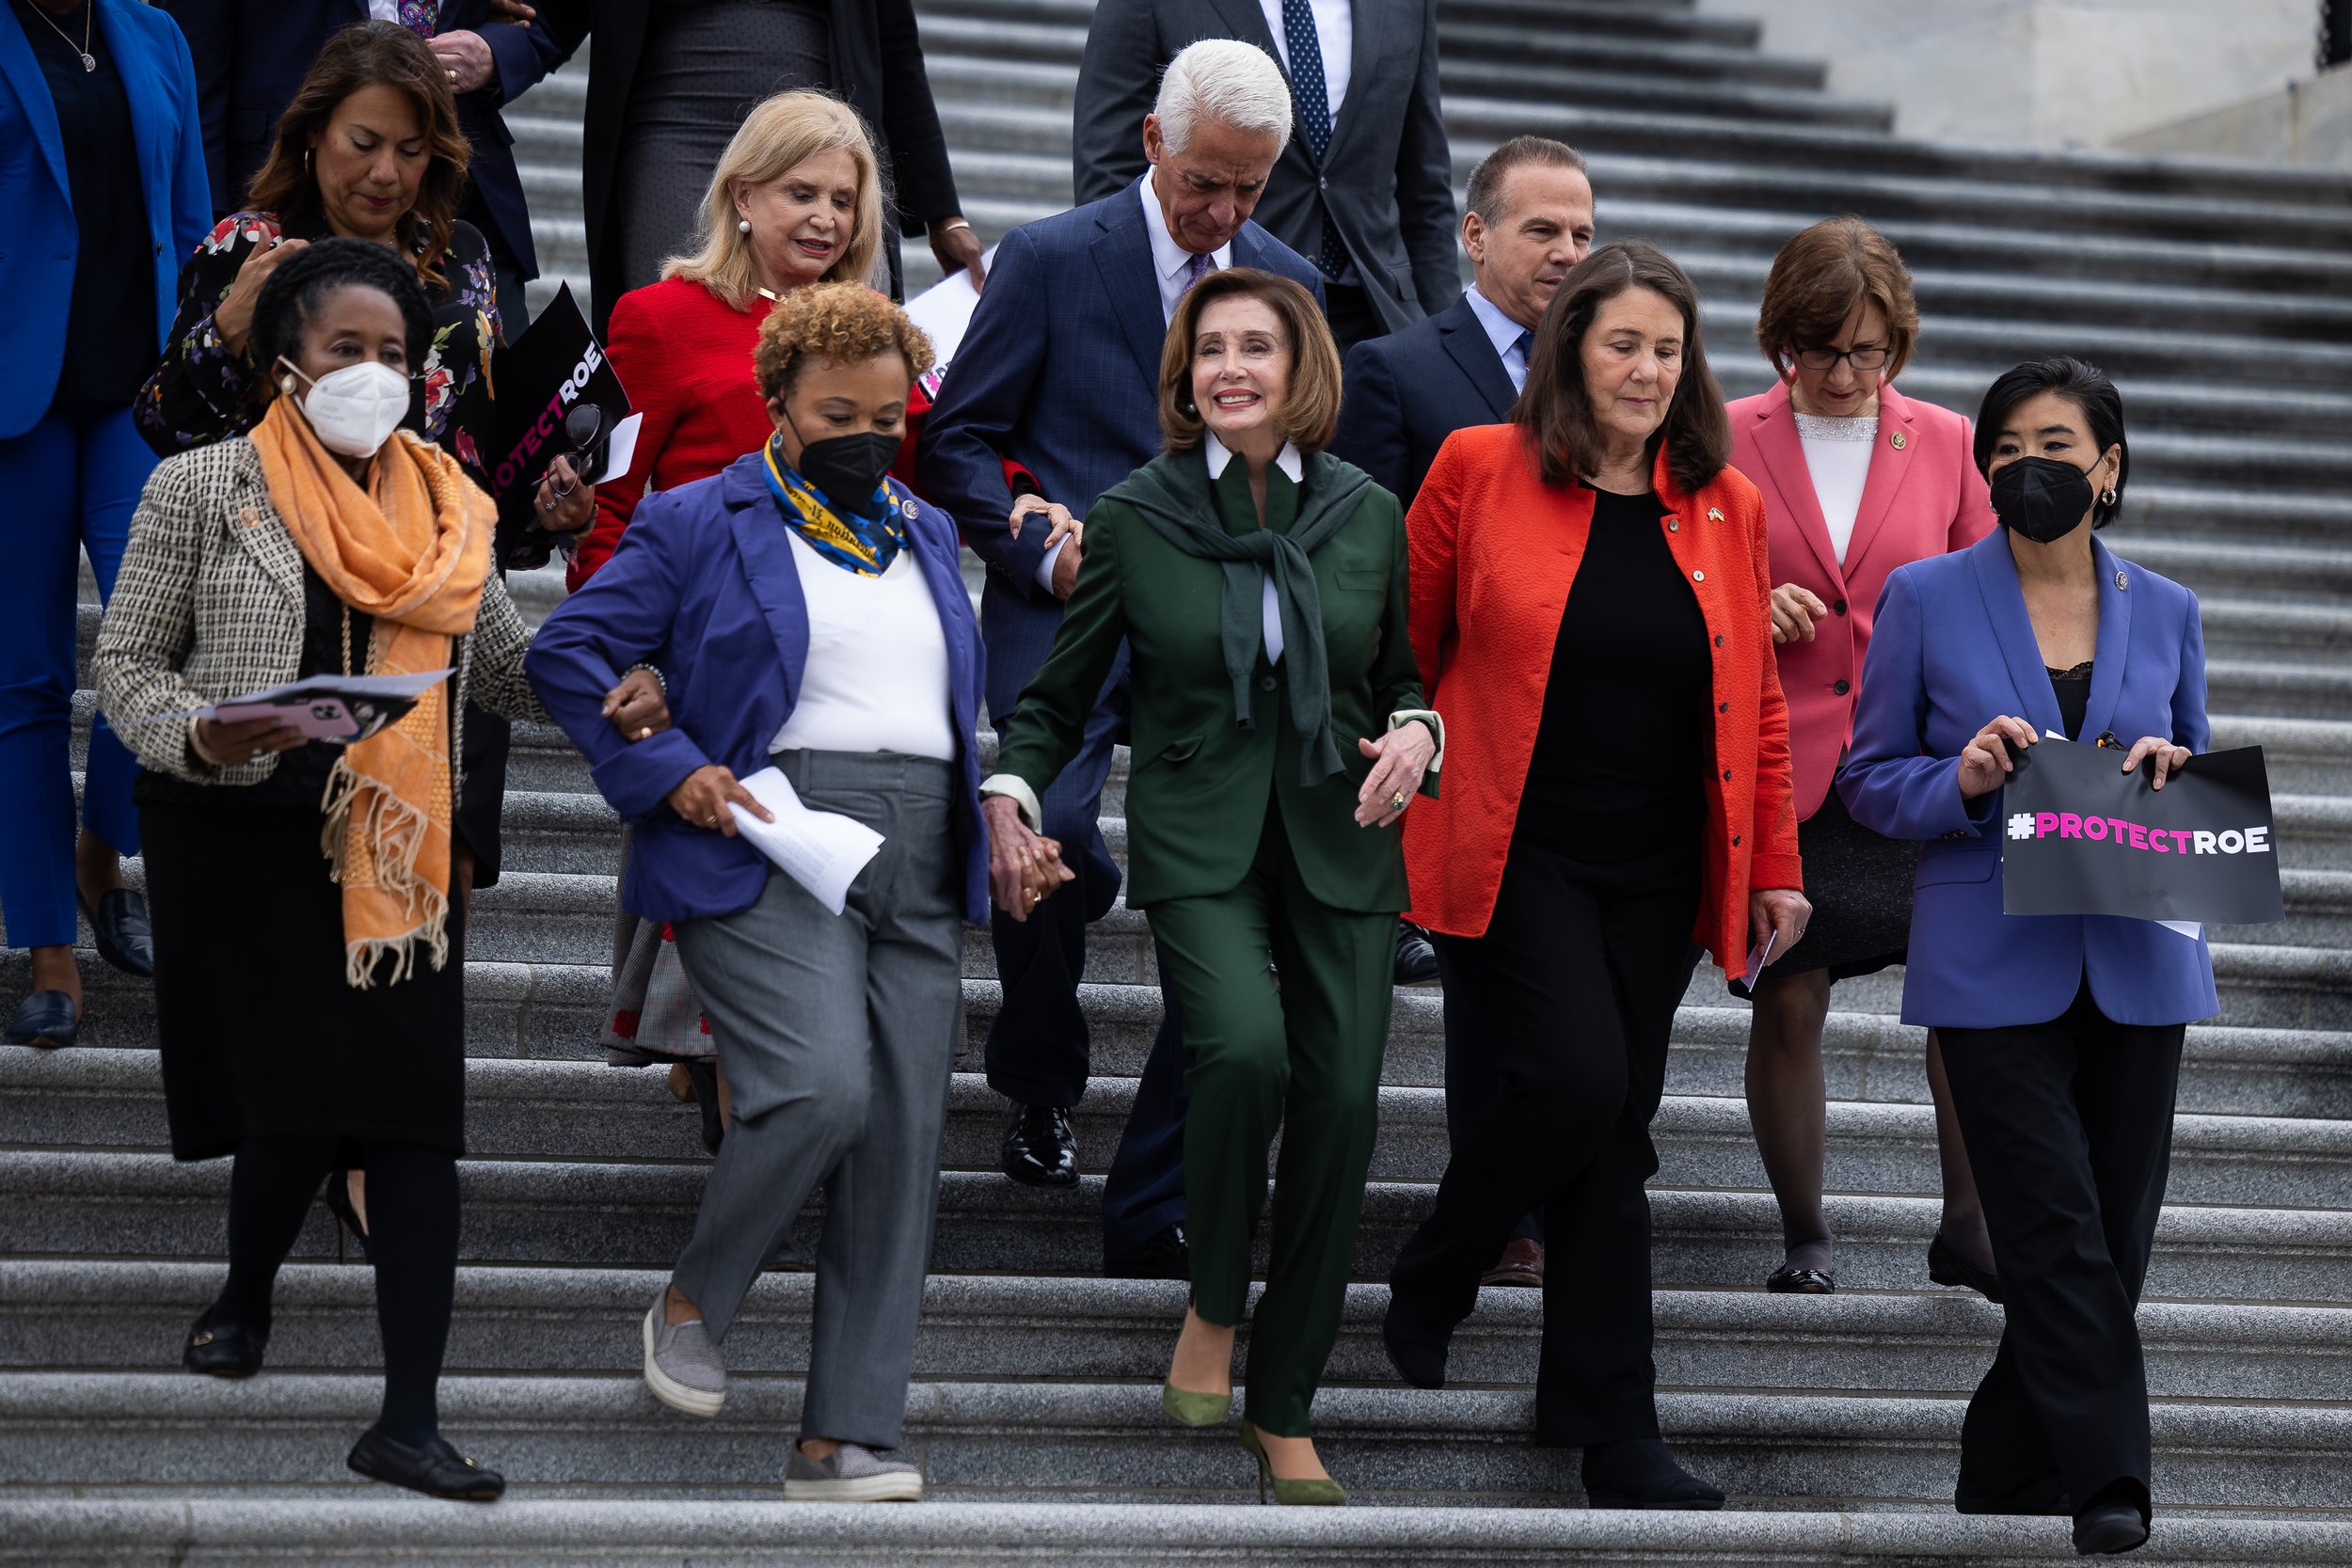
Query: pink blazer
(1923, 497)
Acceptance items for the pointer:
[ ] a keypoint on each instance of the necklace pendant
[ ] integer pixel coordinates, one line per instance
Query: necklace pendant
(89, 62)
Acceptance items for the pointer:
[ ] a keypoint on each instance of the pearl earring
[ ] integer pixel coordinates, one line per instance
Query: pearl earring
(285, 385)
(743, 225)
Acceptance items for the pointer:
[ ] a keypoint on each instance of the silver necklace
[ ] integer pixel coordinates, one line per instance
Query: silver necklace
(89, 14)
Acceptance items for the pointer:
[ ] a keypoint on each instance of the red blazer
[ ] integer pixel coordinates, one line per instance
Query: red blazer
(1923, 497)
(1493, 552)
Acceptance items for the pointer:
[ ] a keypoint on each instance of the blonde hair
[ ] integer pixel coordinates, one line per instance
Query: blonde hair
(846, 323)
(784, 130)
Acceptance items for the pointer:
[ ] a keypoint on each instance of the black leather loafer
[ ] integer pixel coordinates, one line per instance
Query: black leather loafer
(222, 1350)
(1039, 1149)
(1165, 1256)
(1946, 1266)
(120, 928)
(436, 1469)
(1790, 1280)
(45, 1018)
(1416, 1351)
(2109, 1529)
(1416, 960)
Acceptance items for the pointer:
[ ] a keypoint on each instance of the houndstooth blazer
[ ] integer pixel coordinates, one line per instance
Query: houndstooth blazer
(208, 604)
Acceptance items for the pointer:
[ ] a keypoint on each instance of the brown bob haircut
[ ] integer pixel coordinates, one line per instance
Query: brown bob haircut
(841, 322)
(1310, 413)
(370, 54)
(1555, 414)
(1821, 278)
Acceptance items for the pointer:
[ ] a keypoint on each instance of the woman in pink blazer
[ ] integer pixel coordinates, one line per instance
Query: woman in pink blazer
(1857, 479)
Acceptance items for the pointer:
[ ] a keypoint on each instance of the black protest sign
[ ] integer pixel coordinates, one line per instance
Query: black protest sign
(2081, 837)
(556, 365)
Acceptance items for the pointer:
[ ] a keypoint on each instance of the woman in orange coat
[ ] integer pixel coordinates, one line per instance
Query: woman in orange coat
(1589, 611)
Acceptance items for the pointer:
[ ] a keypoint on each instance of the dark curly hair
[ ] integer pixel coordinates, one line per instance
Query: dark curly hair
(295, 291)
(2080, 383)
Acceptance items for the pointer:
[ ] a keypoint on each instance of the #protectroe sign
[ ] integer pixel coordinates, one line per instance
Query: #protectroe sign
(2081, 837)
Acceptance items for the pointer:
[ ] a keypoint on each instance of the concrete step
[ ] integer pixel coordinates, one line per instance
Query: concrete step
(59, 1204)
(110, 1100)
(98, 1316)
(1078, 1442)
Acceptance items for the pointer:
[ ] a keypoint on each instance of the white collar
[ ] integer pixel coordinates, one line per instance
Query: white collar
(1294, 466)
(1501, 330)
(1169, 257)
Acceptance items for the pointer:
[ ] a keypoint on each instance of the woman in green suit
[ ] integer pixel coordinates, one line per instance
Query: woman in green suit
(1279, 734)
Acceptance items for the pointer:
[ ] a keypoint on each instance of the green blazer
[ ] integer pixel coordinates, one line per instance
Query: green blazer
(1199, 792)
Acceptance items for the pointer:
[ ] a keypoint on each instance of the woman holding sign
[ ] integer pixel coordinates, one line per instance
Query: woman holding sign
(2062, 1032)
(814, 628)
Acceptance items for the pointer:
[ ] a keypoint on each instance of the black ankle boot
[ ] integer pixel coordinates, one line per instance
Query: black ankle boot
(1638, 1472)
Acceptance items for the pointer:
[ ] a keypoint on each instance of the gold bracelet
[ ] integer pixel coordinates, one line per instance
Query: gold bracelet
(953, 225)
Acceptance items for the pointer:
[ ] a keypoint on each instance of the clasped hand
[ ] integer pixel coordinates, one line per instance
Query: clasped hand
(1400, 759)
(1023, 867)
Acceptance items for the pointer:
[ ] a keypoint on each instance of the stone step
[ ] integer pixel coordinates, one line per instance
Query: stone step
(1078, 1442)
(77, 1314)
(574, 1214)
(113, 1100)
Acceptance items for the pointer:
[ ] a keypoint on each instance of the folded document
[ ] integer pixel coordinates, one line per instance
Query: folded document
(823, 850)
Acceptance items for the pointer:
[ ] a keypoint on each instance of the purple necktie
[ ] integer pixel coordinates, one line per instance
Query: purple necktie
(1202, 264)
(419, 16)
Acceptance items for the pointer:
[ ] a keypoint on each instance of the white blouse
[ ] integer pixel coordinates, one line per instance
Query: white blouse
(1837, 456)
(877, 677)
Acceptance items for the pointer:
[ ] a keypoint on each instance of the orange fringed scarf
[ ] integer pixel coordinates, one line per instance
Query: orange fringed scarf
(412, 551)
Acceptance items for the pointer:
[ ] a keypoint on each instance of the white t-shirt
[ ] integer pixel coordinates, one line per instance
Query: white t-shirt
(1837, 456)
(877, 676)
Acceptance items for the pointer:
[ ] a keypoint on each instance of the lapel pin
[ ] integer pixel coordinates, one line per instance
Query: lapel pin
(906, 510)
(2121, 582)
(1898, 441)
(1714, 514)
(249, 517)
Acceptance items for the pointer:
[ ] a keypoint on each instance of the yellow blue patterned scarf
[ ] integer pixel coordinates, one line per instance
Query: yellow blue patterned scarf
(856, 543)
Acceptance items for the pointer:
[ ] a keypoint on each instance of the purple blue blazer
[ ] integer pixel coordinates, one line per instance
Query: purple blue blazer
(704, 588)
(1951, 648)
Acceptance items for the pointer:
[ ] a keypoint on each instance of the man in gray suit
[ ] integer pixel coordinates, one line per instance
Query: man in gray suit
(1365, 189)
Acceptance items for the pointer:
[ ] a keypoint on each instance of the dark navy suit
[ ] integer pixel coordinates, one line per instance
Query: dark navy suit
(1406, 392)
(1059, 373)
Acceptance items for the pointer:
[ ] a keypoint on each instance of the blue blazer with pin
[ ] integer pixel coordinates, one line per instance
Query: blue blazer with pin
(1952, 649)
(704, 588)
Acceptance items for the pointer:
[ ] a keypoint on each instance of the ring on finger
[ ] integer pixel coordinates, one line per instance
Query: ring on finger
(1396, 801)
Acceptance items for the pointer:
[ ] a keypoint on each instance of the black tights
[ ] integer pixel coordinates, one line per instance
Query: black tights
(412, 1236)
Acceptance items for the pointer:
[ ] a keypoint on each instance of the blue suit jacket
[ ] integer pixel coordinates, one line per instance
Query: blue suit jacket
(37, 265)
(1406, 392)
(1059, 371)
(704, 588)
(1952, 649)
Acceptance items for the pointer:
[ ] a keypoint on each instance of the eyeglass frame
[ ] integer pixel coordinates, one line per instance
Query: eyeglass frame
(1851, 356)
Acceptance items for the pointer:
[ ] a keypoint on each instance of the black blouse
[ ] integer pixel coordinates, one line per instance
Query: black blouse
(110, 323)
(2074, 696)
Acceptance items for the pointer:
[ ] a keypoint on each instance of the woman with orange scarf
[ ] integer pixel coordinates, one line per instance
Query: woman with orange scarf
(310, 960)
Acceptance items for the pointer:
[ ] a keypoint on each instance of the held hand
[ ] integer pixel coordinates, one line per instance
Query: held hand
(466, 57)
(1399, 759)
(231, 745)
(703, 799)
(232, 318)
(1794, 610)
(1065, 526)
(1984, 762)
(1781, 913)
(2170, 760)
(1023, 868)
(637, 707)
(958, 249)
(565, 505)
(513, 11)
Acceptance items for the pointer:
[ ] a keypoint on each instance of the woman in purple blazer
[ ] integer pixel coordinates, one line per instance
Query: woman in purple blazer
(2062, 1032)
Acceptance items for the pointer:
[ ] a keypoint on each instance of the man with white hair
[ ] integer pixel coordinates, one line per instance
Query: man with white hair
(1052, 399)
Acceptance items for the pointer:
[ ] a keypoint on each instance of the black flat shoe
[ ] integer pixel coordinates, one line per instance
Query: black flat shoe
(1790, 1280)
(46, 1018)
(1416, 1351)
(338, 1196)
(2109, 1529)
(222, 1350)
(1416, 959)
(1638, 1472)
(1165, 1256)
(1039, 1149)
(436, 1469)
(120, 931)
(1946, 1266)
(704, 1072)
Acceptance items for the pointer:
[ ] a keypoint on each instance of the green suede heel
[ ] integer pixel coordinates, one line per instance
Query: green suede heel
(1310, 1493)
(1194, 1410)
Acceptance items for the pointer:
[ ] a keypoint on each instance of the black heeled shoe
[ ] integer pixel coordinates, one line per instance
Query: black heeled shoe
(436, 1469)
(120, 930)
(222, 1350)
(346, 1217)
(1416, 1351)
(1946, 1266)
(1638, 1472)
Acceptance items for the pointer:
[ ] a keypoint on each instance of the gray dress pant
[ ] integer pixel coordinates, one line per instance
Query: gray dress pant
(839, 1034)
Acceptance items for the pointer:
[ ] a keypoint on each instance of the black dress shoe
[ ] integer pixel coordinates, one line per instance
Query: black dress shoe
(2107, 1529)
(223, 1350)
(1790, 1280)
(1946, 1266)
(45, 1018)
(435, 1470)
(1638, 1472)
(1040, 1150)
(1165, 1256)
(120, 928)
(338, 1196)
(1416, 1351)
(1416, 960)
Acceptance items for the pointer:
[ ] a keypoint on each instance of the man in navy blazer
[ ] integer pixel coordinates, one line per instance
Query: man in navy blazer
(250, 58)
(1059, 377)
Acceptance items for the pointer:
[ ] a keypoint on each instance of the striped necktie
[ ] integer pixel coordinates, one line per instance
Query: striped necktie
(1315, 113)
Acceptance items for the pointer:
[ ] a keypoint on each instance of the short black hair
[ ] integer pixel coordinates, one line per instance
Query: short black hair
(294, 293)
(2085, 385)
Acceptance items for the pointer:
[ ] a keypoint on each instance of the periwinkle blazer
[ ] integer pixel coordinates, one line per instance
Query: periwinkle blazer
(704, 588)
(1953, 648)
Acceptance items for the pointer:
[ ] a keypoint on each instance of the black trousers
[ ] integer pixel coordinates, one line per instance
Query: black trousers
(1572, 991)
(2068, 1127)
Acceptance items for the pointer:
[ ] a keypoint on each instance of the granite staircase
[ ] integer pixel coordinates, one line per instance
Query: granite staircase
(2220, 296)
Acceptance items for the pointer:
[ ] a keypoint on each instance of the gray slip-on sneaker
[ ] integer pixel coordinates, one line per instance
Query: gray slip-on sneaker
(682, 1365)
(852, 1473)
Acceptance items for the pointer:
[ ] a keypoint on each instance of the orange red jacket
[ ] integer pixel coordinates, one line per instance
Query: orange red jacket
(1493, 552)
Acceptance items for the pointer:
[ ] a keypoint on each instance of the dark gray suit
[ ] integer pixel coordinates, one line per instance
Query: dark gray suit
(1387, 182)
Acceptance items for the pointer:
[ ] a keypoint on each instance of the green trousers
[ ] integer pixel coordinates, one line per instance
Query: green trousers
(1301, 1054)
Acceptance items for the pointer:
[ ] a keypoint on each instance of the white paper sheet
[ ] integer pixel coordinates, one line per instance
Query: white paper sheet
(620, 450)
(944, 311)
(823, 850)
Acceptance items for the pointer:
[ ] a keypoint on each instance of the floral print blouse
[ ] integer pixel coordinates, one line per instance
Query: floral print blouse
(203, 393)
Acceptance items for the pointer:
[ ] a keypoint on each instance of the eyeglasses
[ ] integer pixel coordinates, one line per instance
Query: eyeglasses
(1868, 357)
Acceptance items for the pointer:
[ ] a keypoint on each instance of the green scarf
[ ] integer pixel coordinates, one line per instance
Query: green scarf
(1173, 494)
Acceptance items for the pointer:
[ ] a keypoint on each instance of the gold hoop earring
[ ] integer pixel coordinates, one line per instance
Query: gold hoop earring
(2109, 498)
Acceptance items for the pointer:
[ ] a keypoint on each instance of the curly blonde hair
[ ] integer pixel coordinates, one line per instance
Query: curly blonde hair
(845, 322)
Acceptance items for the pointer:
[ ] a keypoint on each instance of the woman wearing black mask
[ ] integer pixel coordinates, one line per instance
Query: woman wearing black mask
(2062, 1032)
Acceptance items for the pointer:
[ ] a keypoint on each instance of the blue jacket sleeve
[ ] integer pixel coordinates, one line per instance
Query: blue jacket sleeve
(2191, 727)
(621, 616)
(521, 53)
(1888, 785)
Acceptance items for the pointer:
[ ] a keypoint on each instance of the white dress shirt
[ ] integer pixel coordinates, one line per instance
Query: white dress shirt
(1295, 467)
(1335, 30)
(1504, 333)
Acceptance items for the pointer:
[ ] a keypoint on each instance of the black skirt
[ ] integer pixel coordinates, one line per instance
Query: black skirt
(1859, 885)
(260, 1035)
